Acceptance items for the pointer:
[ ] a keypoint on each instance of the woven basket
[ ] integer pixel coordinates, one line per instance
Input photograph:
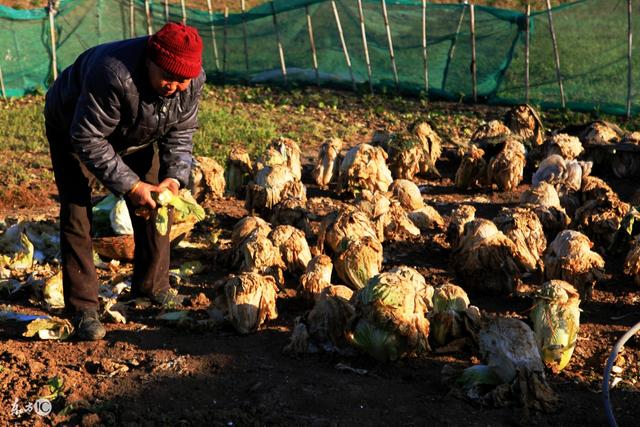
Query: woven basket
(122, 247)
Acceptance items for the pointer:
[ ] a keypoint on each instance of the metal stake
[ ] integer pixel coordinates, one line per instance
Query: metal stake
(166, 10)
(184, 12)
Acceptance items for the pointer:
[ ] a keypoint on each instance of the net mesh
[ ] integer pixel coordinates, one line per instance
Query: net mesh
(251, 47)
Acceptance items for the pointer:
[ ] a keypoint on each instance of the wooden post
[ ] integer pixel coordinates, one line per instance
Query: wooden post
(474, 65)
(312, 42)
(424, 46)
(224, 42)
(629, 52)
(347, 58)
(283, 65)
(166, 10)
(132, 20)
(390, 43)
(527, 48)
(147, 12)
(184, 12)
(244, 35)
(452, 48)
(52, 28)
(556, 53)
(213, 36)
(365, 46)
(4, 92)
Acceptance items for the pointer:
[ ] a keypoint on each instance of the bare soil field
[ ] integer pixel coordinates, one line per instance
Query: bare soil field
(150, 372)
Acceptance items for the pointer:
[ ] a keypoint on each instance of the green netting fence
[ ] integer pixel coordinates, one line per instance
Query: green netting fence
(272, 43)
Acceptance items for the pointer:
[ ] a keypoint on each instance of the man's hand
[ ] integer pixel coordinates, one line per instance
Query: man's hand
(170, 183)
(140, 195)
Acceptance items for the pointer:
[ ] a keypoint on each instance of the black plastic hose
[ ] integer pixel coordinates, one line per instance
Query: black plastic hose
(607, 372)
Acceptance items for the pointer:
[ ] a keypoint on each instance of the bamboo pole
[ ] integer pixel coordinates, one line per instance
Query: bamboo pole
(224, 42)
(4, 92)
(147, 12)
(424, 46)
(244, 35)
(629, 61)
(166, 10)
(347, 58)
(474, 65)
(390, 43)
(52, 28)
(556, 53)
(213, 36)
(365, 47)
(283, 65)
(99, 8)
(132, 19)
(527, 48)
(312, 42)
(452, 49)
(184, 11)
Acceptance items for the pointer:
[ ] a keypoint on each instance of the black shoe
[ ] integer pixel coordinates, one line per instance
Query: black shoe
(88, 327)
(168, 299)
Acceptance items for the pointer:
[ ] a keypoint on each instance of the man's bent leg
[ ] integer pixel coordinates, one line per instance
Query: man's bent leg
(80, 280)
(151, 256)
(79, 277)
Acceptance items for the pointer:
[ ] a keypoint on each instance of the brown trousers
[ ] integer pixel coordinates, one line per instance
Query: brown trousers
(151, 256)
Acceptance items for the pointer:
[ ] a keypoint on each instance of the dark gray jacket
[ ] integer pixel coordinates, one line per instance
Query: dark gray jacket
(105, 104)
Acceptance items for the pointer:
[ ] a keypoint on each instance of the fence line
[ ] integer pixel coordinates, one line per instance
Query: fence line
(346, 23)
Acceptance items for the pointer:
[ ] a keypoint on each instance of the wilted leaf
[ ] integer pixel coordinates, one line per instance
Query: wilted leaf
(49, 329)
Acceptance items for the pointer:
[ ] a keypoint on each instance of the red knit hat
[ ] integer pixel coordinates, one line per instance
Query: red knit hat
(177, 49)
